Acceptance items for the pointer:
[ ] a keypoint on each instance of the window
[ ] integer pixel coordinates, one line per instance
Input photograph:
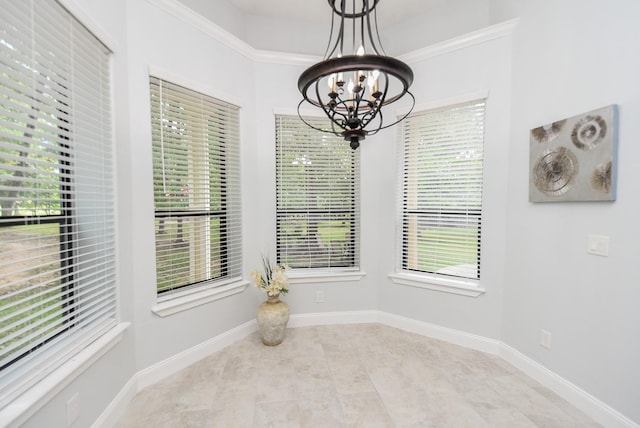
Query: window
(317, 197)
(442, 160)
(196, 183)
(57, 252)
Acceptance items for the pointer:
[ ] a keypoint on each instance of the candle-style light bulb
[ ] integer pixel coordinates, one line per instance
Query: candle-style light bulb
(375, 85)
(360, 51)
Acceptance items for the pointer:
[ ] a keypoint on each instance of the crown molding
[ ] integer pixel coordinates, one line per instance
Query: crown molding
(199, 22)
(473, 38)
(284, 58)
(194, 19)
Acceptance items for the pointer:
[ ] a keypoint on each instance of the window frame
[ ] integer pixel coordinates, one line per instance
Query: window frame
(470, 287)
(84, 254)
(194, 294)
(302, 275)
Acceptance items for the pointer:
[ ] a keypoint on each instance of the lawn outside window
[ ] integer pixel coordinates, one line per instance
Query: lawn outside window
(57, 225)
(317, 202)
(196, 182)
(441, 177)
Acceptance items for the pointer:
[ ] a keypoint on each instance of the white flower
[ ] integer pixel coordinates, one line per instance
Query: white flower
(274, 281)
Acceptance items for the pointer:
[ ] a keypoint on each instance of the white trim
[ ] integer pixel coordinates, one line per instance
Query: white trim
(283, 58)
(457, 337)
(333, 318)
(581, 399)
(184, 359)
(163, 369)
(181, 301)
(85, 19)
(21, 409)
(590, 405)
(470, 288)
(116, 409)
(477, 37)
(194, 19)
(325, 276)
(195, 85)
(482, 94)
(305, 111)
(190, 17)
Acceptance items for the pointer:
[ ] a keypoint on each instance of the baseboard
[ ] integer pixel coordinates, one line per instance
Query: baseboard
(331, 318)
(184, 359)
(115, 410)
(593, 407)
(457, 337)
(581, 399)
(168, 367)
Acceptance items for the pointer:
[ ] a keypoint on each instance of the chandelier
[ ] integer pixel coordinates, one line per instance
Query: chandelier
(352, 83)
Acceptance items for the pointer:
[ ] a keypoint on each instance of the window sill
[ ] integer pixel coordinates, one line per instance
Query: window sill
(326, 276)
(463, 287)
(184, 300)
(18, 411)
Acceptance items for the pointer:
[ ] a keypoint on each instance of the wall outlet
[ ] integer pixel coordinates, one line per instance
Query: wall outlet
(319, 296)
(73, 409)
(545, 339)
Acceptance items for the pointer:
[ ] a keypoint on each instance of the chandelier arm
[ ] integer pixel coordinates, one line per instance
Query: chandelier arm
(334, 112)
(375, 21)
(377, 110)
(307, 123)
(380, 117)
(362, 40)
(413, 104)
(342, 18)
(328, 54)
(370, 115)
(353, 29)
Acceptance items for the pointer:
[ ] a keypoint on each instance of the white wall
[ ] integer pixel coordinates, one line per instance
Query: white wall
(570, 57)
(448, 19)
(101, 382)
(482, 67)
(188, 56)
(143, 36)
(276, 91)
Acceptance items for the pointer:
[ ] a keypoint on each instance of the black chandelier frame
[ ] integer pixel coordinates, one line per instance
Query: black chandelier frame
(346, 105)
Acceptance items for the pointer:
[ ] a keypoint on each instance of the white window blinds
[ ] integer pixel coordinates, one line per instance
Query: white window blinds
(57, 263)
(442, 162)
(318, 196)
(196, 181)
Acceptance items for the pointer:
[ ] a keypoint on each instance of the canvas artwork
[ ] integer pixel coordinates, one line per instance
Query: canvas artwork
(574, 159)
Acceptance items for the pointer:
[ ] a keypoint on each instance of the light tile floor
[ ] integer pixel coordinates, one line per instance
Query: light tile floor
(362, 375)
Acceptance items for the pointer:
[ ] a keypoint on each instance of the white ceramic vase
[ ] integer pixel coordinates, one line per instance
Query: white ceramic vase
(272, 317)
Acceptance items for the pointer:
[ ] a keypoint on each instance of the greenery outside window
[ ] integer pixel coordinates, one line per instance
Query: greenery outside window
(317, 197)
(57, 224)
(196, 182)
(442, 177)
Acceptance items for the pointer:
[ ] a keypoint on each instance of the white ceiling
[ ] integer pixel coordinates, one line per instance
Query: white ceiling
(389, 11)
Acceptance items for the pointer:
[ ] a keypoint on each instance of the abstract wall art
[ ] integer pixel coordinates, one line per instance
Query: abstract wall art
(574, 159)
